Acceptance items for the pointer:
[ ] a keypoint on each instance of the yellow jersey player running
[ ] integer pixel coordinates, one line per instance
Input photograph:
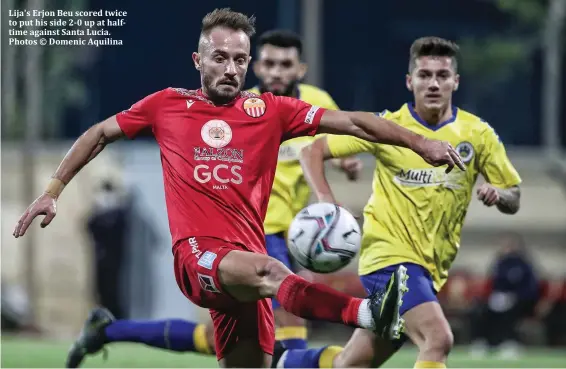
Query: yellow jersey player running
(279, 69)
(416, 212)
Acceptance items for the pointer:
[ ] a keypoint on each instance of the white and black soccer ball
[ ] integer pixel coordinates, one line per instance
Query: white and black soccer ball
(324, 237)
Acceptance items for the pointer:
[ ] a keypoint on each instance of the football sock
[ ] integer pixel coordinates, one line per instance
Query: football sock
(429, 364)
(171, 334)
(318, 302)
(309, 358)
(292, 337)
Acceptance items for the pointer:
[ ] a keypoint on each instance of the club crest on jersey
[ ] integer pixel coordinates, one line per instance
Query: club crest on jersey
(466, 151)
(216, 133)
(254, 107)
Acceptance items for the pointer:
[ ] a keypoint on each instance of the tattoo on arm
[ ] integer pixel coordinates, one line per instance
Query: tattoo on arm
(509, 200)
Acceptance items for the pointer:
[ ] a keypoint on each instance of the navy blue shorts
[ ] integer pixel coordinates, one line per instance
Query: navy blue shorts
(421, 288)
(277, 248)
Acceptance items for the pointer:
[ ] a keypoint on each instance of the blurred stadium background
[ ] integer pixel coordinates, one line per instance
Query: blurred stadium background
(513, 75)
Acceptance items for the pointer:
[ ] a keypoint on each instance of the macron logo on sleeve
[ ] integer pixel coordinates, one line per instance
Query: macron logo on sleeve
(311, 113)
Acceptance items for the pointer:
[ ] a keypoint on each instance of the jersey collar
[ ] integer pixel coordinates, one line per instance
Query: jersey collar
(232, 102)
(432, 127)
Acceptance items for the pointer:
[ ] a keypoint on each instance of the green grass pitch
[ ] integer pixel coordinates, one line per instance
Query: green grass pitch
(32, 353)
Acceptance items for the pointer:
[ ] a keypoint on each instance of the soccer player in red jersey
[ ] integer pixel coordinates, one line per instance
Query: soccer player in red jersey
(219, 149)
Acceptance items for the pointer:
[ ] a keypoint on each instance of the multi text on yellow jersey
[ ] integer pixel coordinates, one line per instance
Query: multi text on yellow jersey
(416, 212)
(290, 192)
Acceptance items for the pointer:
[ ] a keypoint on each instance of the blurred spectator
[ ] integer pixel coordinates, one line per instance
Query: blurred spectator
(512, 298)
(107, 225)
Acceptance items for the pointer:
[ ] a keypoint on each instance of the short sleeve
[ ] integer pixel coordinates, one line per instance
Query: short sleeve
(298, 118)
(343, 146)
(494, 164)
(140, 116)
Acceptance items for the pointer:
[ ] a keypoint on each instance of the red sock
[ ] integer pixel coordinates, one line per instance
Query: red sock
(317, 302)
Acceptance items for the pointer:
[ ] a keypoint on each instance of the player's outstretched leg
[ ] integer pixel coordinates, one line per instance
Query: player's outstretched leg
(364, 349)
(425, 325)
(172, 334)
(248, 277)
(235, 284)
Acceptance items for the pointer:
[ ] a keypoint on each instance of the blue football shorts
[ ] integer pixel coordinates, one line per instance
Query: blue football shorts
(421, 288)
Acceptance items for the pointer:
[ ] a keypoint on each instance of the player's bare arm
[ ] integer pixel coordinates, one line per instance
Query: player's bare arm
(86, 148)
(507, 200)
(370, 127)
(312, 159)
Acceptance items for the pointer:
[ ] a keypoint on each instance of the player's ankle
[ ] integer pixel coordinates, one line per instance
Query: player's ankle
(420, 364)
(364, 315)
(432, 356)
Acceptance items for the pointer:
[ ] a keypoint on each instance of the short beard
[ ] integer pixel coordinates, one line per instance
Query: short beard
(289, 91)
(212, 93)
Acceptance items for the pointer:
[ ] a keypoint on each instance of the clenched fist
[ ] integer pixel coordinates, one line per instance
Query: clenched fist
(351, 167)
(488, 194)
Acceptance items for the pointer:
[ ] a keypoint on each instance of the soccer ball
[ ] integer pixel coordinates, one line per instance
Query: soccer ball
(324, 237)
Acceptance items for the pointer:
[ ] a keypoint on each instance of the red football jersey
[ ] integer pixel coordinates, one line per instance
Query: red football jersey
(219, 161)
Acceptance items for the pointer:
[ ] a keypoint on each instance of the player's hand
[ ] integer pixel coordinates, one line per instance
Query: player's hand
(351, 167)
(43, 205)
(488, 194)
(438, 153)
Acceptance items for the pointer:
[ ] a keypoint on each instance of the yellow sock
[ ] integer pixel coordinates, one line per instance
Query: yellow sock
(292, 337)
(200, 340)
(327, 356)
(429, 364)
(289, 333)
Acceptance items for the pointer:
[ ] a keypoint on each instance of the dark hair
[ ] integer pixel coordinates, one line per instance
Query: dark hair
(433, 46)
(281, 38)
(230, 19)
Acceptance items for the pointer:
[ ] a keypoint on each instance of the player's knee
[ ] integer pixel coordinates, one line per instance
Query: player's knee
(439, 341)
(272, 272)
(428, 328)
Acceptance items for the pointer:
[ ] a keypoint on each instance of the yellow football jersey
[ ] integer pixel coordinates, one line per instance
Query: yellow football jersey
(290, 192)
(417, 211)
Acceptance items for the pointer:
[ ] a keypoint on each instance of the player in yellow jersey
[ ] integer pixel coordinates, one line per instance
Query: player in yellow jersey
(279, 70)
(416, 212)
